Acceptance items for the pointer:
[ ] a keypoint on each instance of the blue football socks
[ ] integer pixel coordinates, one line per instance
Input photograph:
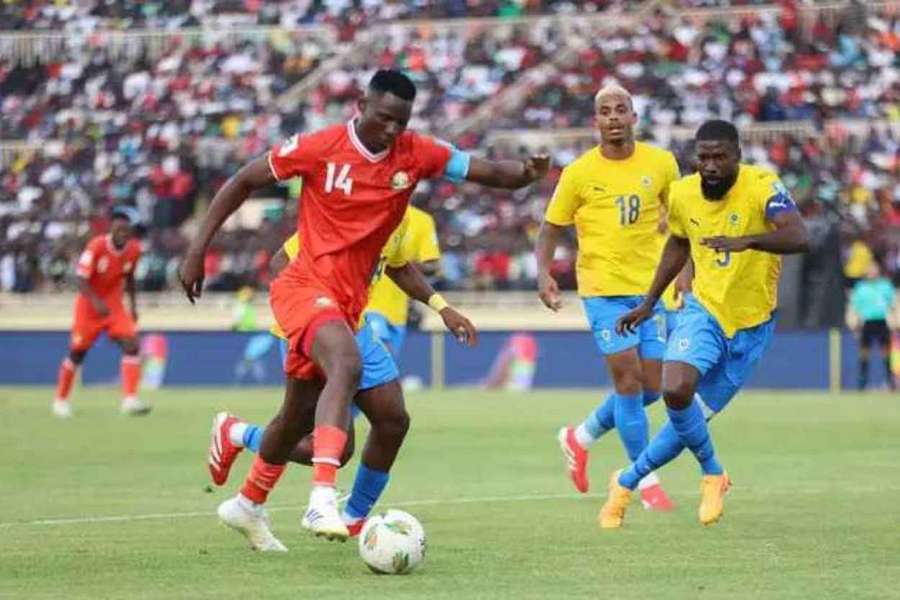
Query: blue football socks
(631, 423)
(663, 448)
(602, 419)
(690, 424)
(252, 438)
(367, 488)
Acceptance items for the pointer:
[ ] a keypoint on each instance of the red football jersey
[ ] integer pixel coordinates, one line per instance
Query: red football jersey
(105, 268)
(351, 201)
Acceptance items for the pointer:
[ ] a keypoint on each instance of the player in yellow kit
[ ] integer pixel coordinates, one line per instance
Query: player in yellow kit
(734, 221)
(388, 307)
(614, 194)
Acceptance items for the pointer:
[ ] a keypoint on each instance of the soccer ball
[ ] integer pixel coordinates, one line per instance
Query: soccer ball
(392, 543)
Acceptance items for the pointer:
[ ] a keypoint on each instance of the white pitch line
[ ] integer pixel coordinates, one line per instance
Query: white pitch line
(426, 502)
(190, 515)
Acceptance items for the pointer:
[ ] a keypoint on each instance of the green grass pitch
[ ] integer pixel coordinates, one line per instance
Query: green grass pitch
(107, 506)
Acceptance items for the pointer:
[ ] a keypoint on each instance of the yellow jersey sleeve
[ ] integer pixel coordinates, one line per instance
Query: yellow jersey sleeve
(676, 226)
(565, 200)
(394, 254)
(291, 246)
(672, 174)
(423, 233)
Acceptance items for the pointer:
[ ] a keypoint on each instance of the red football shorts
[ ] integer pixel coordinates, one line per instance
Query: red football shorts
(301, 307)
(88, 325)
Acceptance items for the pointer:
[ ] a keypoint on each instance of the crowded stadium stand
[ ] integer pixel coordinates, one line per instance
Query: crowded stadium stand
(156, 104)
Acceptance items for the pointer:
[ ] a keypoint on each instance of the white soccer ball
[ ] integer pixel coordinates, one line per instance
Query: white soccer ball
(392, 543)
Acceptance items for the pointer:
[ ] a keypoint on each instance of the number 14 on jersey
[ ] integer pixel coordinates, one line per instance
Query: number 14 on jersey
(338, 178)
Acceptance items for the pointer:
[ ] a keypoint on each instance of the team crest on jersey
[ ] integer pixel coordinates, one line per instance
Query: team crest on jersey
(684, 344)
(323, 302)
(400, 180)
(646, 181)
(733, 219)
(102, 265)
(606, 334)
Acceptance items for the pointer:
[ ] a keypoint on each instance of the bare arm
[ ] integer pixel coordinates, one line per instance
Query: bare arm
(544, 249)
(429, 268)
(131, 288)
(252, 176)
(507, 174)
(409, 279)
(85, 288)
(789, 237)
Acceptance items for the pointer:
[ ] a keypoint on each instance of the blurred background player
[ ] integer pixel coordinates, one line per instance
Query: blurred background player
(734, 221)
(514, 367)
(380, 398)
(243, 318)
(105, 271)
(388, 308)
(614, 195)
(358, 178)
(872, 301)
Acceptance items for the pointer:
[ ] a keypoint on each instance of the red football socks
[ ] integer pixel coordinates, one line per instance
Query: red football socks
(328, 446)
(65, 379)
(261, 479)
(131, 374)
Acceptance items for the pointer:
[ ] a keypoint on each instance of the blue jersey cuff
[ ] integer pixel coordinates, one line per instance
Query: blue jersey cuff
(458, 166)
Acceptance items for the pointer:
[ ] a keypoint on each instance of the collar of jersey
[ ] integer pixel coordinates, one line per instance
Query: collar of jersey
(360, 147)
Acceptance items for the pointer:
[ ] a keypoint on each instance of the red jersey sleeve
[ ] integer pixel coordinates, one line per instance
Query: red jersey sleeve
(293, 157)
(87, 262)
(432, 155)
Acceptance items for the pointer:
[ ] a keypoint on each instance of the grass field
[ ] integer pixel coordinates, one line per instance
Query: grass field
(106, 506)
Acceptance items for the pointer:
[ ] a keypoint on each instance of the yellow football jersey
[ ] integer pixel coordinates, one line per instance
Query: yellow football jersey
(420, 244)
(740, 289)
(615, 207)
(391, 255)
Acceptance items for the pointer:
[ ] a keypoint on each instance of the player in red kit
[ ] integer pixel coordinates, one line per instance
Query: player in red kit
(357, 181)
(105, 271)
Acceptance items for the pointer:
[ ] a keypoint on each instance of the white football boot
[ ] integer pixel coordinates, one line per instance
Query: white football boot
(62, 409)
(132, 405)
(251, 521)
(322, 516)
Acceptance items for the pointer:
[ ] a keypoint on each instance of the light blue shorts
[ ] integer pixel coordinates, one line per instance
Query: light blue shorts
(724, 364)
(671, 321)
(602, 314)
(378, 366)
(392, 335)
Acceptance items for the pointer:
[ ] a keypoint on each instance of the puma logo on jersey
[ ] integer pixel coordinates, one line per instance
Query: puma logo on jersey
(695, 222)
(323, 302)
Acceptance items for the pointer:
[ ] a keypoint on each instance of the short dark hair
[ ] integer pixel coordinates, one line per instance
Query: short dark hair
(717, 130)
(386, 81)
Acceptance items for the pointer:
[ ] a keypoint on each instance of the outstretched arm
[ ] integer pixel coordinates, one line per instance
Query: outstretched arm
(508, 174)
(252, 176)
(789, 237)
(409, 279)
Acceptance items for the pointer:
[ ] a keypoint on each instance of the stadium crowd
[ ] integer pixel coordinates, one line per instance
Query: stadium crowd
(163, 134)
(348, 15)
